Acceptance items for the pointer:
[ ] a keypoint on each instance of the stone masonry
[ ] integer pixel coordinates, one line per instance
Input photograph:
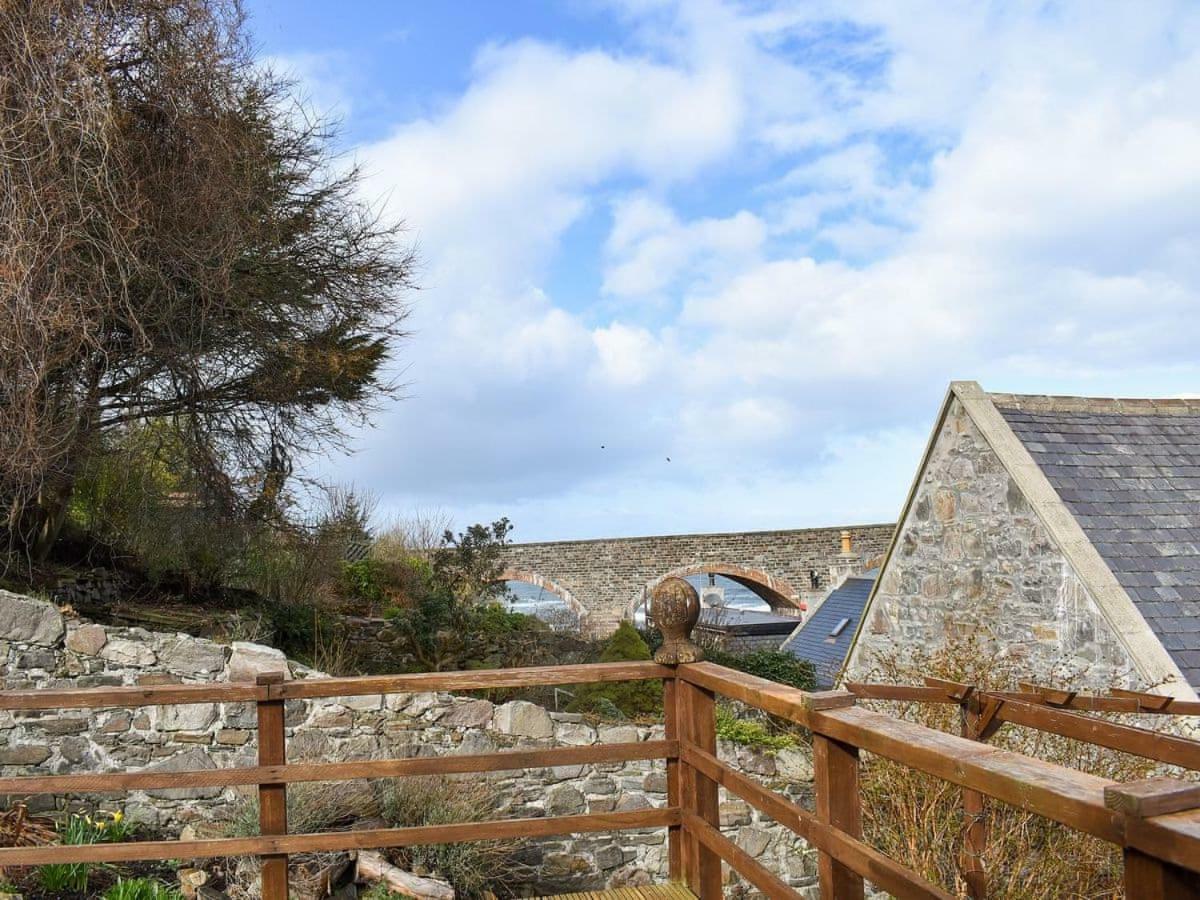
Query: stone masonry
(972, 556)
(39, 648)
(605, 580)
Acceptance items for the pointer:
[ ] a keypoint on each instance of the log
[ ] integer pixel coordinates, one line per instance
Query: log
(373, 867)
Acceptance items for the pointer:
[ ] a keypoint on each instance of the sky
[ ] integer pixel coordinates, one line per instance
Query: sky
(710, 266)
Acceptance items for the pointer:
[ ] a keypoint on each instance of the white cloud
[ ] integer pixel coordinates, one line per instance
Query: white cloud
(626, 356)
(820, 214)
(649, 249)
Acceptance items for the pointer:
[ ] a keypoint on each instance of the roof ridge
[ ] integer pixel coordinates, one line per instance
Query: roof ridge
(1126, 405)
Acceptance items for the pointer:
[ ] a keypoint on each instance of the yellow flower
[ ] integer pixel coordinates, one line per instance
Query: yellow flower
(117, 817)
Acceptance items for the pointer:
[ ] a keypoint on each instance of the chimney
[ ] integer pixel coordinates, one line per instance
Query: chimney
(848, 562)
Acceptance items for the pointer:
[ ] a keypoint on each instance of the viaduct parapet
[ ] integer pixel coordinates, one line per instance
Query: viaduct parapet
(605, 580)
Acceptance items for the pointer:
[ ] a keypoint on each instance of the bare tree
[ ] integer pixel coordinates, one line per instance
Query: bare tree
(176, 244)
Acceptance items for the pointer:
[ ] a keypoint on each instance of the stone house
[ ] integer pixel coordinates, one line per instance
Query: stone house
(1066, 530)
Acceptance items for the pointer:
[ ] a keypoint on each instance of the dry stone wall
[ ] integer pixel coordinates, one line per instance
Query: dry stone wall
(972, 556)
(39, 648)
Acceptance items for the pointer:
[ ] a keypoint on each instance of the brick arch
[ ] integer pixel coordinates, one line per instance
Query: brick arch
(775, 591)
(550, 586)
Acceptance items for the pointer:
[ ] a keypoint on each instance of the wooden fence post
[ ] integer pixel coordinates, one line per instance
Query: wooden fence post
(974, 807)
(1147, 877)
(272, 798)
(839, 804)
(700, 794)
(690, 715)
(671, 733)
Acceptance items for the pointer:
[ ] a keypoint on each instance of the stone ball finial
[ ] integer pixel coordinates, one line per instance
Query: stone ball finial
(675, 608)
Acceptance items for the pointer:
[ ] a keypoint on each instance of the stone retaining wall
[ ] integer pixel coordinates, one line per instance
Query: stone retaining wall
(40, 648)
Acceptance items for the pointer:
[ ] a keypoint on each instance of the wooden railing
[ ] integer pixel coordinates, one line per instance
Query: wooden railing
(1157, 823)
(983, 713)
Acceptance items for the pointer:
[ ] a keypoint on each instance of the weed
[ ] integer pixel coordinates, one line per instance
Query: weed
(750, 732)
(141, 889)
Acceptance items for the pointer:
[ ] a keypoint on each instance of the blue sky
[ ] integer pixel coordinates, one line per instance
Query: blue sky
(710, 265)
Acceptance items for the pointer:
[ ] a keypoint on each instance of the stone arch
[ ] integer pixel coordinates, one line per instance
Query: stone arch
(550, 586)
(775, 591)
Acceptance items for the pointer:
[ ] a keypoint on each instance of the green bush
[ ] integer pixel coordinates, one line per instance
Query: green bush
(363, 580)
(774, 665)
(628, 698)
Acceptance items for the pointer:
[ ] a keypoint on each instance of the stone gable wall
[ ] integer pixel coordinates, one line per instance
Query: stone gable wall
(41, 649)
(972, 555)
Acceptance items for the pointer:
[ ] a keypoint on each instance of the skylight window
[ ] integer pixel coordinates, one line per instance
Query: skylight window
(839, 627)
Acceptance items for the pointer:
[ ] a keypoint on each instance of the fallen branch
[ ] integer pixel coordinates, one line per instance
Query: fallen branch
(373, 867)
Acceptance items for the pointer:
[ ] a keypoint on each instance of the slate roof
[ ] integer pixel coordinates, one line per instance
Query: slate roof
(746, 621)
(1129, 472)
(814, 640)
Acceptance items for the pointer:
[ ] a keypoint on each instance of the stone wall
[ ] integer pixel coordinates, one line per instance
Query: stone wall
(39, 648)
(604, 580)
(972, 556)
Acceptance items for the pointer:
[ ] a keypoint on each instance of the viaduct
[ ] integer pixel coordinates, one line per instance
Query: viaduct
(605, 580)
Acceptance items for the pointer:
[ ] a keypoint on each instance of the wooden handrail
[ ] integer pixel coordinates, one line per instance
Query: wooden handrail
(1073, 798)
(293, 773)
(368, 839)
(739, 860)
(1117, 701)
(1166, 846)
(883, 871)
(312, 688)
(1036, 710)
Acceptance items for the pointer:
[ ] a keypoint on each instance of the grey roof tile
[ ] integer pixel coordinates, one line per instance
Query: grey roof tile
(1129, 472)
(815, 640)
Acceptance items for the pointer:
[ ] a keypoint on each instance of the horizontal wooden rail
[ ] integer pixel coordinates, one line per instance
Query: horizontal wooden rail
(738, 859)
(311, 688)
(1075, 799)
(324, 841)
(293, 773)
(137, 695)
(883, 871)
(530, 676)
(1167, 748)
(1117, 702)
(1033, 710)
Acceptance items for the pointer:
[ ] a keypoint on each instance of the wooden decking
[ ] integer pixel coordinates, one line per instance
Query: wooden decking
(650, 892)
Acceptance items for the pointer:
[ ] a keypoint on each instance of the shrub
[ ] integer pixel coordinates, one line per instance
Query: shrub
(774, 665)
(474, 869)
(141, 889)
(362, 580)
(917, 819)
(312, 806)
(629, 698)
